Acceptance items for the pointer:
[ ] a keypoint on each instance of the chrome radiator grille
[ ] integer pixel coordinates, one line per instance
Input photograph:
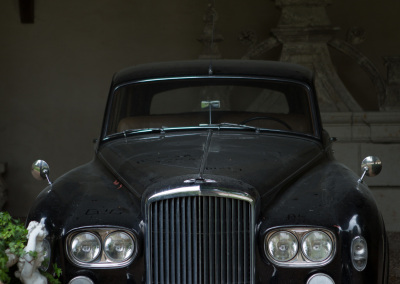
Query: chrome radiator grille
(200, 239)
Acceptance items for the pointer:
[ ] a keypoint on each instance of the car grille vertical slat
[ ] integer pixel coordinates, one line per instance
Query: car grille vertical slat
(166, 242)
(223, 250)
(234, 242)
(155, 245)
(241, 244)
(200, 239)
(219, 241)
(246, 216)
(184, 242)
(194, 242)
(228, 242)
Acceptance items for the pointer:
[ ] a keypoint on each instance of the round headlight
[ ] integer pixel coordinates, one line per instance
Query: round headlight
(85, 247)
(119, 246)
(282, 246)
(359, 253)
(317, 246)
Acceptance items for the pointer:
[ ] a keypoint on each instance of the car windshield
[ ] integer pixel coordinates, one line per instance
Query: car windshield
(205, 102)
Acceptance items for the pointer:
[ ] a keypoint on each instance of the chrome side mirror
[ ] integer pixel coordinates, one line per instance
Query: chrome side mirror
(41, 170)
(370, 166)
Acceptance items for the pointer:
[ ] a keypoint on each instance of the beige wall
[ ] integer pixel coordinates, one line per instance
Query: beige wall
(55, 73)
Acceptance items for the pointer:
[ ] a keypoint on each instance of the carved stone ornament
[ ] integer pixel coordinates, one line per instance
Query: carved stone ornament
(392, 99)
(305, 33)
(210, 37)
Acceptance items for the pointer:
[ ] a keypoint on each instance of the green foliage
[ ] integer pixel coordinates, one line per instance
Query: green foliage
(57, 270)
(33, 254)
(13, 236)
(53, 278)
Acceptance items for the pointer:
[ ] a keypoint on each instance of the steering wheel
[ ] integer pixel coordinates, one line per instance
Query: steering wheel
(269, 118)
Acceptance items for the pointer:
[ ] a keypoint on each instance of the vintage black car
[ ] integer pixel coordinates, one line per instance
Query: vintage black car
(213, 172)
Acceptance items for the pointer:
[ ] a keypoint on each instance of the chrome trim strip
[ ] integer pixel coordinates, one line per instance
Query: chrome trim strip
(198, 191)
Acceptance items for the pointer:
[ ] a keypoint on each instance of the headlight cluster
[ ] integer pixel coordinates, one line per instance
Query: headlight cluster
(101, 247)
(299, 246)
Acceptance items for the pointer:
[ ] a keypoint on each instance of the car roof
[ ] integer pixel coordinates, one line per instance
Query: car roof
(201, 67)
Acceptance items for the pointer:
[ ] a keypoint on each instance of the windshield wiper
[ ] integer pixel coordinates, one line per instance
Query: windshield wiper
(130, 132)
(162, 130)
(242, 126)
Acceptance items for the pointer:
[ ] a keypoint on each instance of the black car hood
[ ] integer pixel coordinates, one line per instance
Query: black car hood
(263, 161)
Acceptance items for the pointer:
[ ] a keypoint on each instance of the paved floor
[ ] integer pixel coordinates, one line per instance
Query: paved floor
(394, 254)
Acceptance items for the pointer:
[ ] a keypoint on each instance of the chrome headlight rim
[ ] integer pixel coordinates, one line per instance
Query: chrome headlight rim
(102, 261)
(300, 260)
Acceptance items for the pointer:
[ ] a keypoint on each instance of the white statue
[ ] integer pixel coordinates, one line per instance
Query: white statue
(12, 258)
(28, 266)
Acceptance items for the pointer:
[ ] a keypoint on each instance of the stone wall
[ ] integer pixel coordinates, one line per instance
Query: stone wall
(371, 134)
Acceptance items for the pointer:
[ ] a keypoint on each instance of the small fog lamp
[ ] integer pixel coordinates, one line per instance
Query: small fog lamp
(320, 278)
(81, 280)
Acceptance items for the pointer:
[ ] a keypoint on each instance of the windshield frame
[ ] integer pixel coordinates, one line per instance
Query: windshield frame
(313, 106)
